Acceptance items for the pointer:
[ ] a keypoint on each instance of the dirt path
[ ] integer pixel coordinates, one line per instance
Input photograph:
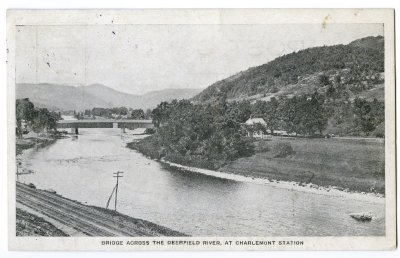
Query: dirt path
(90, 221)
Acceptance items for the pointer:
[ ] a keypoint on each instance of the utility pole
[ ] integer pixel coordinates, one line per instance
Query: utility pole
(116, 188)
(116, 175)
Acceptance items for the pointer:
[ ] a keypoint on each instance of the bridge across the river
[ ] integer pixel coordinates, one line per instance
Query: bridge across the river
(74, 125)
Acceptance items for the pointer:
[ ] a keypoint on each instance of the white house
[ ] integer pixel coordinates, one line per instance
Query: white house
(256, 133)
(253, 121)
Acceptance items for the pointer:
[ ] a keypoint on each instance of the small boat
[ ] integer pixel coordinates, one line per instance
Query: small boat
(365, 217)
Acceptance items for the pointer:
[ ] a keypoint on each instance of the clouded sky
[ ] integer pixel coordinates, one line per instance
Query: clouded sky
(141, 58)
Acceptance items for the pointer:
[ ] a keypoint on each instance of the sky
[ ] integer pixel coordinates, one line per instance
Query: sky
(140, 58)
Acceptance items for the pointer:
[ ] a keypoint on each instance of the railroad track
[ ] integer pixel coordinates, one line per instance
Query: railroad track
(80, 225)
(84, 213)
(85, 219)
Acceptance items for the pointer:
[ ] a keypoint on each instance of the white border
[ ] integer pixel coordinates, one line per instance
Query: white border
(226, 17)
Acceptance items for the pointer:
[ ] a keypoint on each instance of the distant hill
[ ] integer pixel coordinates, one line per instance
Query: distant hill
(375, 43)
(340, 74)
(65, 97)
(359, 66)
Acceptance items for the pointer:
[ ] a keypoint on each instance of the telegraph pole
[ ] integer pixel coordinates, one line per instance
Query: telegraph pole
(117, 175)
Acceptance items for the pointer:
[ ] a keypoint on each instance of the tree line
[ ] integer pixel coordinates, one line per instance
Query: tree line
(28, 117)
(214, 133)
(115, 112)
(201, 135)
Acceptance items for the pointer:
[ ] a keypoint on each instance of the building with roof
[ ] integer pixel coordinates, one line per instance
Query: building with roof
(256, 127)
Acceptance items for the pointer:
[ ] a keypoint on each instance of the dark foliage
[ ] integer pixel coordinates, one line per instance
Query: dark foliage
(36, 119)
(149, 131)
(211, 135)
(368, 115)
(202, 135)
(345, 80)
(360, 58)
(115, 112)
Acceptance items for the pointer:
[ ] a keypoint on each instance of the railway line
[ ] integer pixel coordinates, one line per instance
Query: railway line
(89, 220)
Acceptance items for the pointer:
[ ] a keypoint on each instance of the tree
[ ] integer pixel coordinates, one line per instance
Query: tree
(304, 114)
(368, 114)
(210, 134)
(243, 111)
(161, 113)
(121, 111)
(288, 112)
(37, 119)
(147, 114)
(272, 116)
(259, 108)
(25, 112)
(316, 117)
(45, 120)
(137, 114)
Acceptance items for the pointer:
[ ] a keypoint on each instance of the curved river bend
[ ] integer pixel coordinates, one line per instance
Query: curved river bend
(81, 168)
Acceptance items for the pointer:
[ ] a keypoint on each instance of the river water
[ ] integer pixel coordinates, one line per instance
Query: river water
(82, 167)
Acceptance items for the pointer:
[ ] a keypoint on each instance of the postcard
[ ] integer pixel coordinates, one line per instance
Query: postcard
(201, 129)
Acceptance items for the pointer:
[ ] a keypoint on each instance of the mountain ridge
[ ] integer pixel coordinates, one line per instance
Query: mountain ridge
(356, 62)
(355, 69)
(79, 98)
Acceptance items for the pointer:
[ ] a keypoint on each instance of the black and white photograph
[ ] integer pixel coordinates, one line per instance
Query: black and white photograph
(206, 135)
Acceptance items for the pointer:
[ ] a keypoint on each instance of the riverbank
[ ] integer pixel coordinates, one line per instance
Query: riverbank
(87, 220)
(289, 185)
(26, 146)
(33, 143)
(28, 224)
(44, 213)
(348, 165)
(81, 169)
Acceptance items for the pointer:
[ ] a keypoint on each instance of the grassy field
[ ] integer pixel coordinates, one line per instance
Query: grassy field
(31, 225)
(353, 164)
(349, 164)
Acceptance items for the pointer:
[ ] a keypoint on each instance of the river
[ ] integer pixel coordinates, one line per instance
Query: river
(82, 167)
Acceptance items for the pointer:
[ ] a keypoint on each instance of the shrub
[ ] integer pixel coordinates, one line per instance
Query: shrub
(31, 185)
(282, 150)
(148, 147)
(149, 131)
